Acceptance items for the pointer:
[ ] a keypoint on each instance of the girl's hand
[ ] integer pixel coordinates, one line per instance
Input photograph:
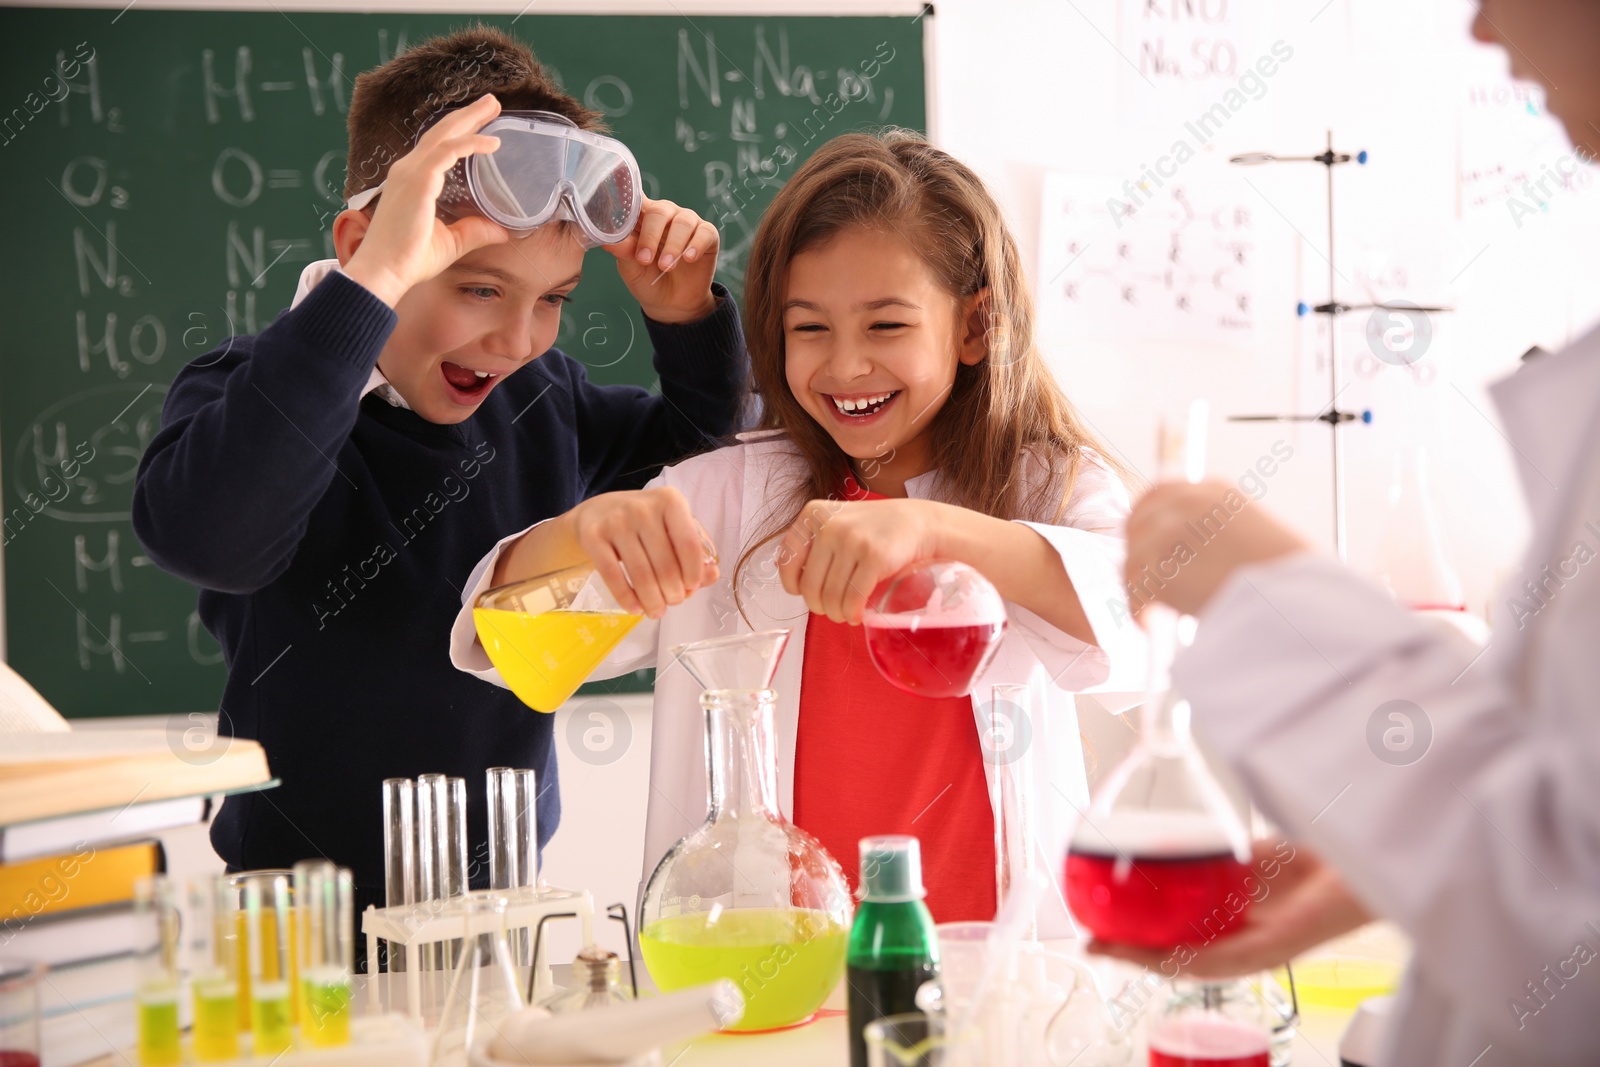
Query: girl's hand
(651, 533)
(406, 242)
(836, 552)
(1186, 539)
(668, 261)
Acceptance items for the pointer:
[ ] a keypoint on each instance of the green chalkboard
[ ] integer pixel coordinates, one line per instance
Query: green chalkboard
(167, 174)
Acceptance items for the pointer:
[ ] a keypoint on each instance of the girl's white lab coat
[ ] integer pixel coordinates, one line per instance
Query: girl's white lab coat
(1486, 849)
(732, 491)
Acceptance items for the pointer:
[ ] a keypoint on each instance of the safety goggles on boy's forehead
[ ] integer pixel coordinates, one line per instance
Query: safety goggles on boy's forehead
(545, 169)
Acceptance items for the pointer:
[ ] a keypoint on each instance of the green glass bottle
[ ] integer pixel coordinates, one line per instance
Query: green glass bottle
(893, 946)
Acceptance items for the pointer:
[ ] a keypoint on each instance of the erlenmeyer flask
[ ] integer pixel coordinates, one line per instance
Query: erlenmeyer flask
(747, 896)
(1160, 856)
(483, 988)
(934, 628)
(1412, 559)
(548, 633)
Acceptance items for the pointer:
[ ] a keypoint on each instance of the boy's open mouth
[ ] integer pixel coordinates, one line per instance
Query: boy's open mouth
(862, 407)
(466, 385)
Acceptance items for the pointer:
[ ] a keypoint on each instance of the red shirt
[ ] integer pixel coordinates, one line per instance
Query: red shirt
(873, 759)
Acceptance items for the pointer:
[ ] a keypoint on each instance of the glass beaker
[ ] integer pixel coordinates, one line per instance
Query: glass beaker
(1223, 1024)
(548, 633)
(324, 950)
(747, 896)
(213, 961)
(934, 628)
(1047, 1010)
(483, 988)
(155, 955)
(19, 1012)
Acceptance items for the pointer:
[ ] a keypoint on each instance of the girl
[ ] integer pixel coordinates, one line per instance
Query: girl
(906, 416)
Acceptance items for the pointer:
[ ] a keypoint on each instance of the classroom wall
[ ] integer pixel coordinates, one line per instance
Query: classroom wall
(1032, 86)
(1025, 88)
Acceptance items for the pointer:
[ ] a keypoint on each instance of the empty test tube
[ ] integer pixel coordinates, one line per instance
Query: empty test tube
(456, 838)
(432, 836)
(399, 855)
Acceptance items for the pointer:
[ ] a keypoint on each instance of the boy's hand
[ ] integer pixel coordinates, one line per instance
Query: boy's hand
(1192, 537)
(651, 533)
(836, 552)
(668, 261)
(1305, 906)
(406, 242)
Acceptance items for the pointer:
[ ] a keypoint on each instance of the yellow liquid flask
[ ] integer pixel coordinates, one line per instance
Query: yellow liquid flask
(238, 890)
(156, 963)
(267, 911)
(547, 634)
(213, 958)
(748, 896)
(324, 948)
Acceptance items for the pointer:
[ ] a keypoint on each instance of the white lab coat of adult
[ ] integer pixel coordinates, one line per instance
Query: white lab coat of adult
(732, 492)
(1458, 796)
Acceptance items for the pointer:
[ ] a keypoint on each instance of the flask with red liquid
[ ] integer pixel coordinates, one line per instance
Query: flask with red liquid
(1161, 856)
(934, 628)
(1224, 1024)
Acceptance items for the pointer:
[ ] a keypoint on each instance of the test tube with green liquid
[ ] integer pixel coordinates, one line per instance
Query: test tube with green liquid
(266, 903)
(324, 946)
(213, 959)
(156, 964)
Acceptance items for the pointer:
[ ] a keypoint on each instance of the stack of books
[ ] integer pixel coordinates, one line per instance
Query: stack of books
(81, 819)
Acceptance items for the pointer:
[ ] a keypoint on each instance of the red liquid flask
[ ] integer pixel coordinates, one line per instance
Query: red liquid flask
(1158, 896)
(1160, 859)
(1209, 1039)
(934, 628)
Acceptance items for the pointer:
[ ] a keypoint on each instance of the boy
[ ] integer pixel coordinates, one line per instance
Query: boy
(330, 483)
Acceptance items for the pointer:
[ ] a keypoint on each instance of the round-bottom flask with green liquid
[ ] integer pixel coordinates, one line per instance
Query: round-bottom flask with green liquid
(893, 945)
(748, 896)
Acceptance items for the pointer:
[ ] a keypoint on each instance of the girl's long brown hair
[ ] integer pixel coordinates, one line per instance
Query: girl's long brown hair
(998, 409)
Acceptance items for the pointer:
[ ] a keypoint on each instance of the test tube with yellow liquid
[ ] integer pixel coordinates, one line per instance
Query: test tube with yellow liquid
(238, 885)
(324, 947)
(547, 634)
(213, 955)
(267, 919)
(156, 964)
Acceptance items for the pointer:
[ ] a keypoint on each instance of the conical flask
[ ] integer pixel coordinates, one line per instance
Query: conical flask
(482, 990)
(747, 896)
(1160, 857)
(1412, 559)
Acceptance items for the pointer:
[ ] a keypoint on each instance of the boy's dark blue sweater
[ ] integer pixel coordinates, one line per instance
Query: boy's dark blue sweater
(331, 537)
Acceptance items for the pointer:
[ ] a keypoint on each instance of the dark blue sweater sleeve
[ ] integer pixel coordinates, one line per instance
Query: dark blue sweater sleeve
(628, 434)
(249, 438)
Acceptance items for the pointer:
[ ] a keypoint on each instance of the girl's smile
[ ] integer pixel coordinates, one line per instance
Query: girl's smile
(871, 347)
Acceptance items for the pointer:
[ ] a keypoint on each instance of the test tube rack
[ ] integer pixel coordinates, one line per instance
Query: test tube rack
(443, 921)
